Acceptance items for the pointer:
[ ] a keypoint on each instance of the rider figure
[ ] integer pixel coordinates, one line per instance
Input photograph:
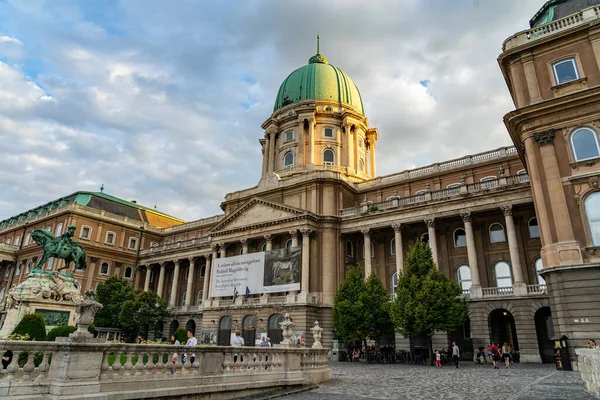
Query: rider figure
(65, 239)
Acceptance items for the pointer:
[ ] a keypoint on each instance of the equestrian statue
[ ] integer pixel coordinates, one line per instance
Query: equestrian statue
(62, 247)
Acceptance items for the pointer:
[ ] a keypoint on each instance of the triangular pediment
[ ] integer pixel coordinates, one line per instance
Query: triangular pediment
(257, 212)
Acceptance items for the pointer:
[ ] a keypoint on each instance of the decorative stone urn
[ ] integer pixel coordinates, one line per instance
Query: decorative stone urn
(287, 326)
(317, 331)
(86, 309)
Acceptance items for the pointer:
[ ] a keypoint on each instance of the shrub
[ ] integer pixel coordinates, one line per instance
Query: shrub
(33, 325)
(60, 331)
(181, 335)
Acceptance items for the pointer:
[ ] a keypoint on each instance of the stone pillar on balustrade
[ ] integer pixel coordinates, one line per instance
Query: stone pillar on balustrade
(476, 291)
(519, 286)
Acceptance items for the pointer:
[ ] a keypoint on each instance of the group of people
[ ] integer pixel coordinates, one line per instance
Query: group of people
(455, 351)
(496, 354)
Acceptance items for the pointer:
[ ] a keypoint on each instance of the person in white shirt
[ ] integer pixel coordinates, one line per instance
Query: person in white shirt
(237, 341)
(192, 341)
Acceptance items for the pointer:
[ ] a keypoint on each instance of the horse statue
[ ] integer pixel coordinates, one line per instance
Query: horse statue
(62, 247)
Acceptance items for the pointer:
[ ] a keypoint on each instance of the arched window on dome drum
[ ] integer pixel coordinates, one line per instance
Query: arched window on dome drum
(534, 229)
(592, 213)
(329, 132)
(463, 273)
(497, 233)
(537, 264)
(288, 160)
(328, 157)
(584, 143)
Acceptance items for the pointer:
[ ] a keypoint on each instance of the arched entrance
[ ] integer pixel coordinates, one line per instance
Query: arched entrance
(274, 331)
(544, 330)
(159, 331)
(191, 326)
(224, 331)
(173, 327)
(249, 330)
(502, 328)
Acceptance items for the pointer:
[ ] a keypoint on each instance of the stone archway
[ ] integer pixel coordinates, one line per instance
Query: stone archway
(502, 328)
(274, 331)
(544, 330)
(249, 330)
(191, 326)
(224, 338)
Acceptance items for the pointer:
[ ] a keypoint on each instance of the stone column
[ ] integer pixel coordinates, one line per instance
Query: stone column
(222, 250)
(311, 140)
(189, 289)
(271, 154)
(136, 280)
(294, 235)
(372, 147)
(244, 243)
(367, 252)
(269, 239)
(215, 249)
(264, 151)
(175, 283)
(475, 291)
(513, 247)
(161, 279)
(432, 240)
(398, 249)
(147, 281)
(90, 273)
(531, 78)
(305, 260)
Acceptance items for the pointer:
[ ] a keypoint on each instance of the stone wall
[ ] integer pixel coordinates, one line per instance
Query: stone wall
(589, 366)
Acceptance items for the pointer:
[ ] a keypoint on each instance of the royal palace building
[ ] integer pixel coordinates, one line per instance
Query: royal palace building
(518, 228)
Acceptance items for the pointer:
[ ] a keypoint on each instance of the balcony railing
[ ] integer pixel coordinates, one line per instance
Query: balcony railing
(497, 291)
(174, 246)
(537, 289)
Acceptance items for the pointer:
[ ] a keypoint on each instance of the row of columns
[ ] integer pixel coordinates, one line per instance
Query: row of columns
(471, 249)
(219, 251)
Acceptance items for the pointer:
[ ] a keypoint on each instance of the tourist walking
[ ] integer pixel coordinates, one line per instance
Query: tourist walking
(495, 355)
(237, 341)
(192, 341)
(506, 355)
(438, 359)
(455, 353)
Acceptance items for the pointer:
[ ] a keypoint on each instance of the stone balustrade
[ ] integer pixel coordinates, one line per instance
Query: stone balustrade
(132, 371)
(588, 361)
(491, 292)
(178, 245)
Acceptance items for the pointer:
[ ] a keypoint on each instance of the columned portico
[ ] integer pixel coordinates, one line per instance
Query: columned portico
(175, 283)
(215, 250)
(520, 288)
(222, 250)
(294, 235)
(432, 240)
(398, 249)
(475, 291)
(367, 252)
(190, 283)
(147, 280)
(269, 242)
(305, 260)
(244, 243)
(161, 279)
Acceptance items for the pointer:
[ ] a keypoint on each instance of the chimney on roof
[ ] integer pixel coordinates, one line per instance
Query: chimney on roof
(134, 201)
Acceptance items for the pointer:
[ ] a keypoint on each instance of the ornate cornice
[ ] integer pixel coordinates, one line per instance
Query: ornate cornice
(365, 232)
(397, 227)
(430, 222)
(466, 216)
(506, 210)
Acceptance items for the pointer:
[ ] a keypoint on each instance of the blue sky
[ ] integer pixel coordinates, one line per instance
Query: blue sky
(162, 102)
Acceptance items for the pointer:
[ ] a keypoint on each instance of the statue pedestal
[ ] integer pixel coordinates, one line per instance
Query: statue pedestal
(51, 294)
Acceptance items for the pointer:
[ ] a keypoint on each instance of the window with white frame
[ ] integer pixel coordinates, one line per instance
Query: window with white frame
(329, 132)
(104, 268)
(453, 188)
(17, 240)
(393, 247)
(394, 282)
(503, 274)
(50, 263)
(565, 71)
(28, 267)
(110, 238)
(328, 157)
(534, 229)
(18, 270)
(133, 243)
(183, 298)
(199, 297)
(537, 265)
(289, 136)
(2, 293)
(460, 238)
(187, 274)
(592, 214)
(288, 243)
(421, 195)
(202, 270)
(523, 176)
(27, 239)
(489, 182)
(463, 273)
(264, 247)
(349, 249)
(497, 233)
(128, 273)
(584, 144)
(288, 160)
(7, 241)
(58, 230)
(86, 233)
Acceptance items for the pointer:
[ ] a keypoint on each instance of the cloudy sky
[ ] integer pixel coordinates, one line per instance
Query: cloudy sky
(162, 101)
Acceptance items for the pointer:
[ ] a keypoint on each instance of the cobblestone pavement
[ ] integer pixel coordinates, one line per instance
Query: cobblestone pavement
(359, 381)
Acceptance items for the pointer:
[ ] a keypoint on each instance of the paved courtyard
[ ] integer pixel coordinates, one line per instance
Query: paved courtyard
(354, 381)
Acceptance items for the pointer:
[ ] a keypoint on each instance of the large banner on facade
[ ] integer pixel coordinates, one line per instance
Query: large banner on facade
(265, 272)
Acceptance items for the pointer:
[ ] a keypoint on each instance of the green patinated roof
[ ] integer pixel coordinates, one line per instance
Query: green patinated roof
(318, 80)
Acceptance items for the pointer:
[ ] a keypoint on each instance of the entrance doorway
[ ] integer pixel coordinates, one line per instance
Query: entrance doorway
(503, 329)
(249, 330)
(544, 329)
(224, 338)
(274, 331)
(191, 326)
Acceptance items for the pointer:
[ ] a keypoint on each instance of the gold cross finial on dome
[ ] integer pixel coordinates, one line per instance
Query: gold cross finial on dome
(318, 44)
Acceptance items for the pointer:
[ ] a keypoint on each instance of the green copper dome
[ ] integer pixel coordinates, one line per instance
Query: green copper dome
(318, 80)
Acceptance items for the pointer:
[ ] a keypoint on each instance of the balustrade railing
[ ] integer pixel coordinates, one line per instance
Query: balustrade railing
(497, 291)
(30, 360)
(537, 289)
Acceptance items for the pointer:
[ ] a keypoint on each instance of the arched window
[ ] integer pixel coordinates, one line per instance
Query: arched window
(537, 264)
(372, 250)
(18, 270)
(7, 241)
(421, 195)
(489, 182)
(17, 240)
(534, 229)
(264, 247)
(425, 238)
(592, 213)
(225, 323)
(128, 272)
(349, 249)
(104, 268)
(28, 267)
(183, 298)
(503, 274)
(199, 297)
(7, 272)
(463, 273)
(565, 71)
(460, 238)
(453, 189)
(393, 246)
(584, 143)
(394, 282)
(328, 157)
(288, 243)
(2, 293)
(497, 233)
(203, 270)
(58, 230)
(241, 251)
(27, 238)
(288, 160)
(523, 176)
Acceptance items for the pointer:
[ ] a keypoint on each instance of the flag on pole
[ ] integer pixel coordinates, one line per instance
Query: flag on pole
(235, 294)
(247, 294)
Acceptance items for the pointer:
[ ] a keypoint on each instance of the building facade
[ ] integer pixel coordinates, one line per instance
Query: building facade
(507, 239)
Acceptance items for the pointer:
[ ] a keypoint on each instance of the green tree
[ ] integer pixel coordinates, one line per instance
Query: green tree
(181, 335)
(361, 309)
(32, 325)
(112, 294)
(60, 331)
(146, 309)
(426, 300)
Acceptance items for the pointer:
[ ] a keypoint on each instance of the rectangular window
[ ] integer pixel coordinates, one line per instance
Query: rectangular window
(565, 71)
(289, 136)
(110, 238)
(86, 231)
(58, 230)
(132, 243)
(329, 132)
(50, 263)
